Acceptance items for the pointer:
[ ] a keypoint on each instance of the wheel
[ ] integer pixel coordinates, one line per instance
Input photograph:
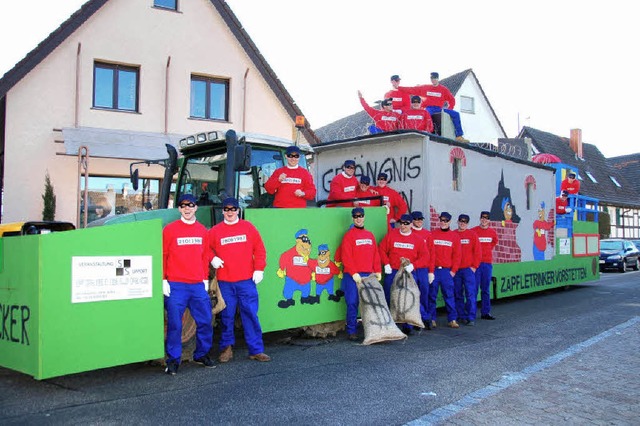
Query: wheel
(636, 265)
(623, 267)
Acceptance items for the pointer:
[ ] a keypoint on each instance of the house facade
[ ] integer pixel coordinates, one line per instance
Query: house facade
(117, 81)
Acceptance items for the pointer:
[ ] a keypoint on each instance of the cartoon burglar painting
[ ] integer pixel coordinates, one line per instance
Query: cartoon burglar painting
(323, 270)
(294, 268)
(540, 229)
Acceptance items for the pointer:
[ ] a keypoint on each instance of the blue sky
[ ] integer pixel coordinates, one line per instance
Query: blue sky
(555, 65)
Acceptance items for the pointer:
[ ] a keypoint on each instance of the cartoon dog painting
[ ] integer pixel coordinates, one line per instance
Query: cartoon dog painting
(323, 270)
(294, 268)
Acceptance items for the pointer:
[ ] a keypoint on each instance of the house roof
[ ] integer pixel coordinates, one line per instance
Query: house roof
(593, 162)
(57, 37)
(357, 124)
(629, 167)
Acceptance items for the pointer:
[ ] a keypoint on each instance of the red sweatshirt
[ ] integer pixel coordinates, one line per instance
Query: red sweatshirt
(296, 267)
(342, 187)
(571, 188)
(368, 193)
(297, 178)
(359, 252)
(432, 95)
(241, 248)
(427, 261)
(394, 245)
(386, 121)
(400, 100)
(488, 240)
(185, 252)
(470, 250)
(446, 249)
(323, 274)
(392, 198)
(416, 119)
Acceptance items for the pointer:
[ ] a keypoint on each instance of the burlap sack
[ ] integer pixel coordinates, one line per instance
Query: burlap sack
(405, 299)
(217, 302)
(376, 318)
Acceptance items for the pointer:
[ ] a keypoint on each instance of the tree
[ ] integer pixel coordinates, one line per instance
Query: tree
(49, 199)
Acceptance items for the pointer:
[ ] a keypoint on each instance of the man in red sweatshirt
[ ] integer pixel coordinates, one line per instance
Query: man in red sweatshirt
(344, 185)
(185, 281)
(488, 240)
(396, 206)
(239, 258)
(360, 258)
(292, 185)
(416, 117)
(399, 99)
(364, 190)
(385, 119)
(464, 282)
(424, 267)
(446, 251)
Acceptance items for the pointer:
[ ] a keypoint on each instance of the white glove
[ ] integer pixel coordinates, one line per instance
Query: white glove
(258, 276)
(216, 262)
(166, 288)
(432, 277)
(409, 268)
(206, 285)
(357, 278)
(387, 269)
(568, 209)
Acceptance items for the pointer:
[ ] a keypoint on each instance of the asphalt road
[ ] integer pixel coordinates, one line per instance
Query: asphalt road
(333, 382)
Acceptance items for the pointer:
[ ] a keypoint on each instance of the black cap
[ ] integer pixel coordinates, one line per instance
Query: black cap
(564, 194)
(349, 163)
(417, 215)
(435, 75)
(357, 210)
(365, 179)
(383, 175)
(386, 102)
(395, 77)
(485, 213)
(464, 218)
(415, 98)
(445, 215)
(571, 174)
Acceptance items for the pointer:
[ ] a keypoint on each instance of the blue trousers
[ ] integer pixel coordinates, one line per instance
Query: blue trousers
(443, 281)
(455, 117)
(352, 299)
(291, 286)
(422, 279)
(328, 286)
(465, 293)
(194, 297)
(483, 280)
(242, 294)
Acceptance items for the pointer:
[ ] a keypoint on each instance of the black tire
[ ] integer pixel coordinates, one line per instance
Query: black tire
(636, 265)
(623, 267)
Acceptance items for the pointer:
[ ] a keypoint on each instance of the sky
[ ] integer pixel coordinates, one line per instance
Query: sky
(549, 64)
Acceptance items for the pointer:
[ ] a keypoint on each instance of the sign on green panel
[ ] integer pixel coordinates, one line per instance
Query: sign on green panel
(512, 279)
(299, 243)
(93, 298)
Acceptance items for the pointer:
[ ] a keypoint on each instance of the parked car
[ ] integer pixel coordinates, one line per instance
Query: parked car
(637, 243)
(619, 254)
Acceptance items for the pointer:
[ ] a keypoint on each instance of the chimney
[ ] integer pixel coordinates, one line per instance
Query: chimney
(575, 141)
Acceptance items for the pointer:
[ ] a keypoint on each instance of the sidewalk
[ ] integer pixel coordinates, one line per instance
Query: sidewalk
(596, 382)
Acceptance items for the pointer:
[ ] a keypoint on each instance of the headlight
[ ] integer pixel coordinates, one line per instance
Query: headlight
(614, 257)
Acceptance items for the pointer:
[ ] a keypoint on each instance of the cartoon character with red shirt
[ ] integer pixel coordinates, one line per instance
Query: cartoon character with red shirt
(540, 234)
(294, 268)
(323, 270)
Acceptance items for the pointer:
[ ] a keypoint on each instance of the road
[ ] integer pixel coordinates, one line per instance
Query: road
(428, 379)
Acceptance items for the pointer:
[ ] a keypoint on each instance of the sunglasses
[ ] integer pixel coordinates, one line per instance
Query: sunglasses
(405, 223)
(323, 252)
(484, 217)
(381, 179)
(349, 167)
(187, 205)
(304, 239)
(419, 218)
(357, 216)
(463, 221)
(230, 209)
(445, 220)
(293, 156)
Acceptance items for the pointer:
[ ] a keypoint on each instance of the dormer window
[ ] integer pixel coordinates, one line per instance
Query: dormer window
(615, 181)
(591, 177)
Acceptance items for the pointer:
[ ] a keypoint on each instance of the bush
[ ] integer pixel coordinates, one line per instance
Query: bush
(49, 199)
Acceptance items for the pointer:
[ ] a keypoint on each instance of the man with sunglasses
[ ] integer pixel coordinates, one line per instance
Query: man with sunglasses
(446, 252)
(292, 185)
(385, 119)
(396, 206)
(397, 244)
(416, 118)
(464, 282)
(344, 185)
(399, 99)
(488, 240)
(239, 257)
(424, 267)
(364, 190)
(186, 255)
(360, 258)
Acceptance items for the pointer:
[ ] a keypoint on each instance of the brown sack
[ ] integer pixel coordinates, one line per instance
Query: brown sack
(405, 299)
(376, 318)
(217, 302)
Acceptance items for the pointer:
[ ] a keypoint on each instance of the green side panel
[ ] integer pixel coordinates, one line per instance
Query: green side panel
(512, 279)
(19, 309)
(67, 337)
(278, 228)
(580, 227)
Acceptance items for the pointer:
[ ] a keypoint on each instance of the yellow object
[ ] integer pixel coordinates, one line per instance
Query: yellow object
(281, 273)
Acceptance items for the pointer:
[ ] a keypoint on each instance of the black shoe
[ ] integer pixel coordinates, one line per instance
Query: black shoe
(465, 321)
(206, 361)
(427, 324)
(334, 297)
(314, 299)
(353, 337)
(339, 293)
(171, 368)
(407, 330)
(286, 303)
(488, 317)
